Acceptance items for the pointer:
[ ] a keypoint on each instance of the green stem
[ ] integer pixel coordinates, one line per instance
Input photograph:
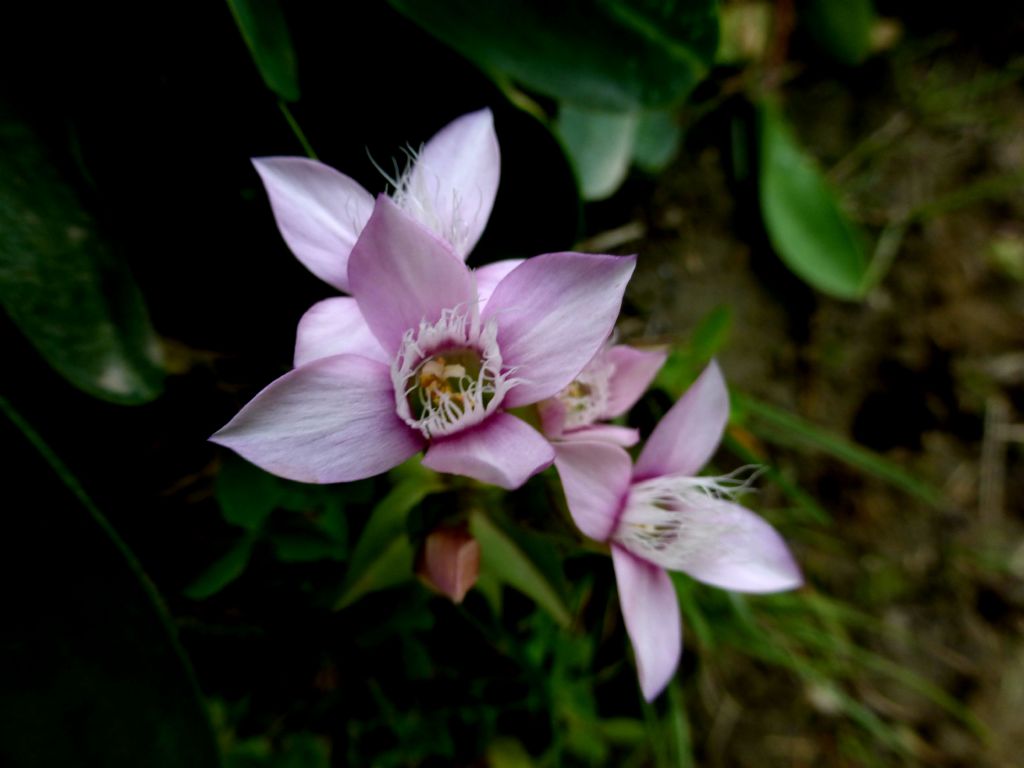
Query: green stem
(297, 130)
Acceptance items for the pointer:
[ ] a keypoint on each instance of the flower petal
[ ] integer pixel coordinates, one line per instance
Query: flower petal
(687, 436)
(401, 274)
(604, 433)
(489, 275)
(319, 211)
(727, 546)
(595, 477)
(503, 451)
(635, 369)
(453, 183)
(330, 421)
(651, 611)
(335, 326)
(554, 312)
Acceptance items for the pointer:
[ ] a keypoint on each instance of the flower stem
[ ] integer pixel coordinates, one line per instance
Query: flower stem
(297, 130)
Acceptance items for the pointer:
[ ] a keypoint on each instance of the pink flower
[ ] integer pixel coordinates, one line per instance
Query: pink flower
(607, 388)
(428, 354)
(659, 515)
(449, 187)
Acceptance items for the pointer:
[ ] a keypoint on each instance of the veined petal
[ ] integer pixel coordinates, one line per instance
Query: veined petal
(714, 541)
(330, 421)
(595, 477)
(651, 611)
(603, 433)
(687, 436)
(489, 275)
(401, 274)
(335, 326)
(554, 312)
(503, 451)
(453, 183)
(319, 211)
(635, 369)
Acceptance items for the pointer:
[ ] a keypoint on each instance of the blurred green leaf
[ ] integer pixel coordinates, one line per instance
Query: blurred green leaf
(305, 547)
(615, 55)
(506, 560)
(246, 494)
(508, 753)
(842, 28)
(775, 425)
(383, 557)
(265, 32)
(803, 218)
(222, 572)
(93, 676)
(63, 286)
(600, 145)
(685, 362)
(658, 135)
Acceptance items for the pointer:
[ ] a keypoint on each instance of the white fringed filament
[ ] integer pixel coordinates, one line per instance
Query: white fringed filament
(448, 396)
(669, 521)
(414, 195)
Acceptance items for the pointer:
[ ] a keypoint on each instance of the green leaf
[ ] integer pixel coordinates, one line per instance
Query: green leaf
(775, 425)
(92, 672)
(265, 32)
(222, 572)
(842, 28)
(305, 547)
(615, 55)
(685, 363)
(600, 146)
(804, 222)
(246, 494)
(657, 139)
(63, 286)
(505, 559)
(383, 557)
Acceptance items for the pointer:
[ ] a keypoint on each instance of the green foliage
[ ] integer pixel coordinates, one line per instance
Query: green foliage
(265, 32)
(657, 139)
(63, 285)
(778, 426)
(806, 226)
(93, 674)
(600, 145)
(383, 557)
(608, 55)
(842, 28)
(519, 560)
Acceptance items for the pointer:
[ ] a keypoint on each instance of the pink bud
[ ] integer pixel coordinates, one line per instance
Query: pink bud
(450, 562)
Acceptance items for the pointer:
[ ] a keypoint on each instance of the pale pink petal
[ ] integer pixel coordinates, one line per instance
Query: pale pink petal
(335, 326)
(604, 433)
(319, 211)
(402, 274)
(552, 413)
(489, 275)
(454, 180)
(651, 611)
(503, 451)
(725, 545)
(330, 421)
(635, 369)
(554, 312)
(595, 478)
(687, 436)
(450, 562)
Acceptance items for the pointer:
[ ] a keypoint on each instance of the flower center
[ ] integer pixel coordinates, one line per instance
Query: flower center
(586, 398)
(448, 375)
(658, 522)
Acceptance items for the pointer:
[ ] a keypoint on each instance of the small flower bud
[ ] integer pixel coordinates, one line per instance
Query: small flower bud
(449, 562)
